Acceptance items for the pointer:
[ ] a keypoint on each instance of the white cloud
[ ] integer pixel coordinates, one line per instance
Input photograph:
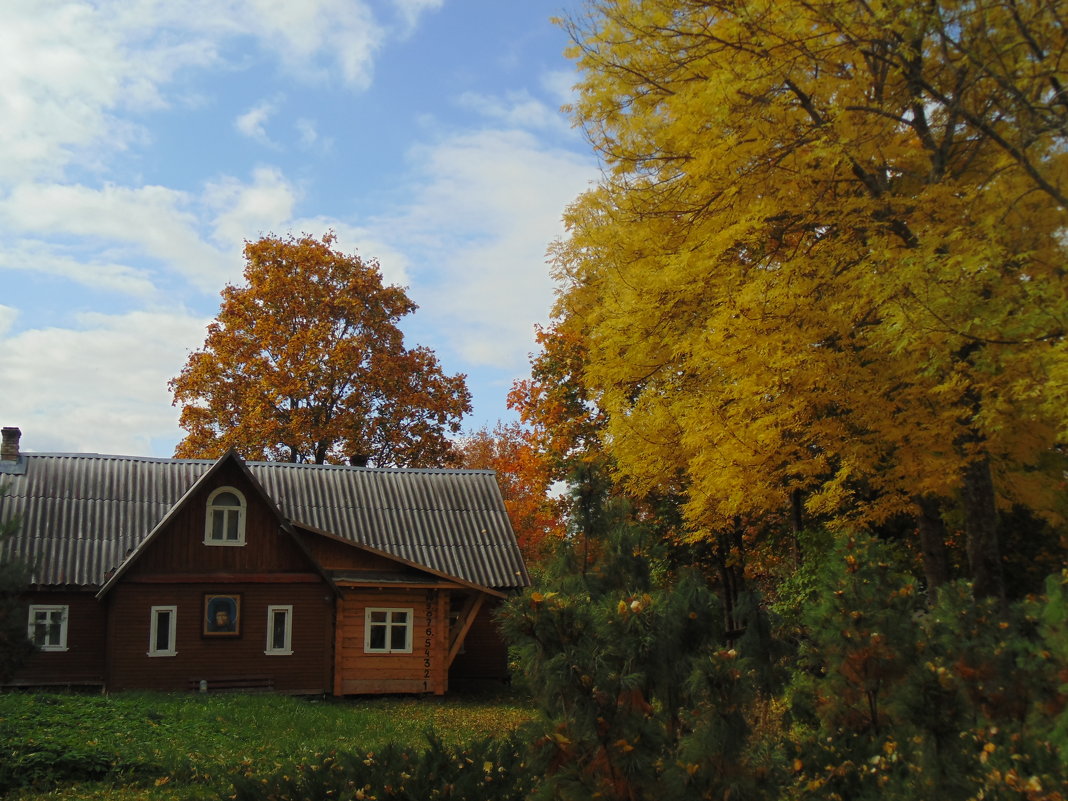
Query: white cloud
(561, 85)
(71, 69)
(308, 132)
(344, 31)
(161, 224)
(411, 10)
(488, 207)
(8, 315)
(102, 387)
(64, 73)
(47, 259)
(150, 220)
(247, 210)
(517, 109)
(253, 122)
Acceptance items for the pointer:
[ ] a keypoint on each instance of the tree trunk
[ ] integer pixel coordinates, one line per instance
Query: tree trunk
(981, 530)
(932, 533)
(730, 557)
(797, 521)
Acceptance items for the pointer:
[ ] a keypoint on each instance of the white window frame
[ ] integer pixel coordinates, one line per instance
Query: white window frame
(48, 609)
(389, 625)
(209, 518)
(172, 635)
(287, 646)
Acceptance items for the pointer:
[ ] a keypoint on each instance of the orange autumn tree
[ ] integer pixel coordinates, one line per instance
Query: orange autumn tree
(562, 422)
(525, 479)
(305, 363)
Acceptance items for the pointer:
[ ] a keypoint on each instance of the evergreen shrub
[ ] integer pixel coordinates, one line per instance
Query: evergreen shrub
(896, 696)
(640, 692)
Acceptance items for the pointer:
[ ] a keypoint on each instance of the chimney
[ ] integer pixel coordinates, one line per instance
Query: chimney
(9, 450)
(359, 460)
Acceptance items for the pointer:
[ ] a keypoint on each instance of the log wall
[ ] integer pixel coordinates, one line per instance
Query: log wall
(83, 663)
(422, 671)
(224, 662)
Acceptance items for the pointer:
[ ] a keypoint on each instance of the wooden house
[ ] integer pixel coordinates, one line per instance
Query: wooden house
(180, 574)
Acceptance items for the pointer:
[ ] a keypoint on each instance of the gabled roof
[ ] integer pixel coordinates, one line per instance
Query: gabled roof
(83, 514)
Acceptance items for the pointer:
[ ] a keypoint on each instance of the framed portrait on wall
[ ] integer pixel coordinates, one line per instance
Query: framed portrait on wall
(222, 615)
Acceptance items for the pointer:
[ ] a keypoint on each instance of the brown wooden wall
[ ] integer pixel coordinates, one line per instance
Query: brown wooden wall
(484, 655)
(178, 568)
(180, 547)
(335, 555)
(83, 662)
(307, 670)
(422, 671)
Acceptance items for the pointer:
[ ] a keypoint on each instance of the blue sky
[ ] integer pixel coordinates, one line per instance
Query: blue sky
(145, 140)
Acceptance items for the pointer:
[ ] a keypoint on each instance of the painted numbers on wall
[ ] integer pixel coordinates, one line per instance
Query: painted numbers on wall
(428, 636)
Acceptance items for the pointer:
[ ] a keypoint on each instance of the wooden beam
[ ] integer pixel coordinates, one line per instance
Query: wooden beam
(467, 618)
(226, 578)
(339, 619)
(392, 585)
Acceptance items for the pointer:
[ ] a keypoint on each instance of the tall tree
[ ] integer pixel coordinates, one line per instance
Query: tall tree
(305, 363)
(525, 479)
(826, 259)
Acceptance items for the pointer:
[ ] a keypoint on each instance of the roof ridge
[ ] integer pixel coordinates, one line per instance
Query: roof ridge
(115, 456)
(276, 465)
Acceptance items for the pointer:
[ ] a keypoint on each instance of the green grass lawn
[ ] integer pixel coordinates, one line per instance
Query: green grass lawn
(171, 746)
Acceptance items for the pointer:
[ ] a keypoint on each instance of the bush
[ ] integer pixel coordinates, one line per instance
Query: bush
(897, 700)
(47, 765)
(486, 770)
(640, 692)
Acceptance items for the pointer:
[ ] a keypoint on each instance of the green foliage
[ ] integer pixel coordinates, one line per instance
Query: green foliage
(1049, 658)
(484, 770)
(895, 700)
(49, 764)
(640, 692)
(795, 591)
(192, 744)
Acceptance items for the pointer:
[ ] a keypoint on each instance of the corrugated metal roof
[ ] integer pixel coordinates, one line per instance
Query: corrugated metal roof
(82, 514)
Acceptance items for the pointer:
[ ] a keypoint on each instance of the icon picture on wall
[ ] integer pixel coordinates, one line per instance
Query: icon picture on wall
(222, 615)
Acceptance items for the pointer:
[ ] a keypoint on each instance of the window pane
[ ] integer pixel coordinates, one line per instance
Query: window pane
(218, 520)
(163, 631)
(47, 627)
(398, 638)
(378, 617)
(40, 628)
(400, 618)
(231, 524)
(278, 630)
(225, 499)
(377, 640)
(55, 623)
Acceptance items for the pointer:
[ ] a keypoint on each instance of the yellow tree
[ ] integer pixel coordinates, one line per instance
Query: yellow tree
(827, 256)
(305, 363)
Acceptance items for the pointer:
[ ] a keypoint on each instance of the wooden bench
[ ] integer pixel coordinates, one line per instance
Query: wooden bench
(232, 684)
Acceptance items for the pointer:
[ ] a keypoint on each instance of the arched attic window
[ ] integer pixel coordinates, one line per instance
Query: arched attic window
(225, 520)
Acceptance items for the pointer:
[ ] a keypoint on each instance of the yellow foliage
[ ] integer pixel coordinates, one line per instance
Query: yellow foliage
(828, 251)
